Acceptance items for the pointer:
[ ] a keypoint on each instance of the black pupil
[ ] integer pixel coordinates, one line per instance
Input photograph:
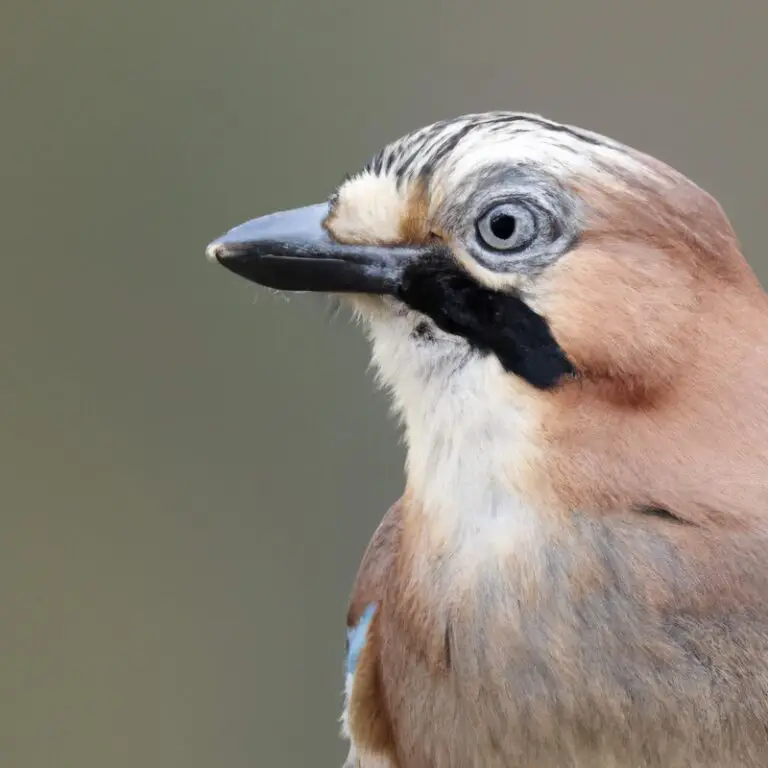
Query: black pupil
(503, 226)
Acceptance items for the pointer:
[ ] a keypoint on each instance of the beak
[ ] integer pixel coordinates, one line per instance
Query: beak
(293, 251)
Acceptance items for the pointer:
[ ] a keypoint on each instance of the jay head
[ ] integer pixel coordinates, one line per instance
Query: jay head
(577, 570)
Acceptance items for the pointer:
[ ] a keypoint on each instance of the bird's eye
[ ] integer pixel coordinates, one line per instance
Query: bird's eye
(507, 227)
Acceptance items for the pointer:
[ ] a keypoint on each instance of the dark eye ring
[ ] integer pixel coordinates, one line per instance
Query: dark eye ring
(507, 227)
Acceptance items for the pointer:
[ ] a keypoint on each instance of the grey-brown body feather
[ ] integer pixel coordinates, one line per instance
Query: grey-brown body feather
(625, 649)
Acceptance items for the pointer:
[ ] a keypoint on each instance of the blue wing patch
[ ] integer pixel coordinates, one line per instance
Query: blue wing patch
(356, 637)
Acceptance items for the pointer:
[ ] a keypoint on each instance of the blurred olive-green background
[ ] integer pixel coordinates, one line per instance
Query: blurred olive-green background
(190, 466)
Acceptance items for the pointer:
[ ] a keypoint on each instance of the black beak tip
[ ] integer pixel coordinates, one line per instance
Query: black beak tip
(215, 252)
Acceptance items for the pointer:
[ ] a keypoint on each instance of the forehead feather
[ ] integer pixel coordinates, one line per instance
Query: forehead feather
(444, 154)
(369, 208)
(461, 143)
(408, 184)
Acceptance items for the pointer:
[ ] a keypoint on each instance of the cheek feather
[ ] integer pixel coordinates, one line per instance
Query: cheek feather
(626, 315)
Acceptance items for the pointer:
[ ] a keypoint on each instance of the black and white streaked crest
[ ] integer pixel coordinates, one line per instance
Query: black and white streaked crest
(417, 154)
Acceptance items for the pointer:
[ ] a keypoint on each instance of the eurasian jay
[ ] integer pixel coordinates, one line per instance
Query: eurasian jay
(576, 575)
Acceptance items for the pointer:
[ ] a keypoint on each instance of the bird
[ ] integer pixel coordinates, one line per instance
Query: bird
(575, 574)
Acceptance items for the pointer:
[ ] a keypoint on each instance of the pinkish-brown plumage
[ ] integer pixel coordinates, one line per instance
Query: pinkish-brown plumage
(607, 637)
(576, 575)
